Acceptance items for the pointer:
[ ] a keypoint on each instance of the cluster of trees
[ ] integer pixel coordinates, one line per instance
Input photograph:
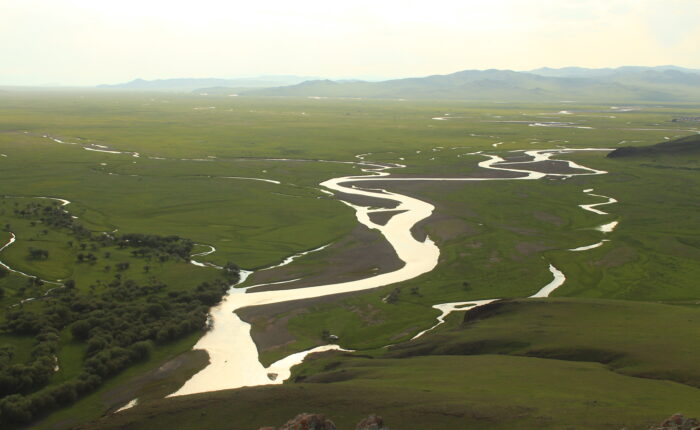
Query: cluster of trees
(119, 320)
(52, 215)
(38, 254)
(169, 245)
(24, 377)
(146, 245)
(86, 258)
(119, 327)
(232, 272)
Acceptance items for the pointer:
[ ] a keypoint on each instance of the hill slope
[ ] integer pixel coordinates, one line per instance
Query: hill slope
(516, 365)
(684, 145)
(190, 84)
(624, 84)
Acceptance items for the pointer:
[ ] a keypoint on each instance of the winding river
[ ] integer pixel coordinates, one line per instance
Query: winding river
(233, 355)
(13, 239)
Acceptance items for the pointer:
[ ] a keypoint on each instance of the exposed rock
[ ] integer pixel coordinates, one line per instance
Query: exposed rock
(306, 422)
(372, 422)
(678, 422)
(320, 422)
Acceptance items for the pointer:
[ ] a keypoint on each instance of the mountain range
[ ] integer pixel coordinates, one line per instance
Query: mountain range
(192, 84)
(630, 83)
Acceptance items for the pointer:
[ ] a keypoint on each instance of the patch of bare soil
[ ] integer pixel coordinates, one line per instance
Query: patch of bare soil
(362, 253)
(365, 200)
(549, 218)
(159, 382)
(382, 218)
(529, 248)
(442, 228)
(547, 166)
(617, 257)
(269, 322)
(481, 173)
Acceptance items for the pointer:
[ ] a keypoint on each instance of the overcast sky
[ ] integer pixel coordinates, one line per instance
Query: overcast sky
(87, 42)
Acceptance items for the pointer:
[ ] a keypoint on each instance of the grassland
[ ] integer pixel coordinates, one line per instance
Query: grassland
(496, 238)
(486, 391)
(560, 363)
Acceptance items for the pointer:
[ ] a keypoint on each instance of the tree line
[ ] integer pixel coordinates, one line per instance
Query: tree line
(118, 326)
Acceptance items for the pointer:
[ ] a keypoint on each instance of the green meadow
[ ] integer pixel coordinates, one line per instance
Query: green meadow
(613, 347)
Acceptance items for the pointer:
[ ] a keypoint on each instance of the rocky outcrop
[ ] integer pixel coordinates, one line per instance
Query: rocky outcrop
(372, 422)
(306, 422)
(678, 422)
(320, 422)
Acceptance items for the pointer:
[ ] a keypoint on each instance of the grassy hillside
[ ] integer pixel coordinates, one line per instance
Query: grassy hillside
(621, 85)
(566, 375)
(496, 238)
(678, 147)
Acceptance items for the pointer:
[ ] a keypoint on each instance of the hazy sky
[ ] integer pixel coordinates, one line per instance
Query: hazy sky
(86, 42)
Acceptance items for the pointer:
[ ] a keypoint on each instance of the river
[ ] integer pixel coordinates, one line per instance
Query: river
(233, 355)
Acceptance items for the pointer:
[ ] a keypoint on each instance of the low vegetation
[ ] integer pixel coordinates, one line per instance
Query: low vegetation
(683, 146)
(595, 355)
(116, 321)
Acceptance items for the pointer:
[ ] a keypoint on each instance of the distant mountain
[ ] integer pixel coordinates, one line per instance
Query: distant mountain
(623, 84)
(664, 84)
(684, 145)
(582, 72)
(190, 84)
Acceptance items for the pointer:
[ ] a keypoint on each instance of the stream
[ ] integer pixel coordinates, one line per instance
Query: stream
(233, 355)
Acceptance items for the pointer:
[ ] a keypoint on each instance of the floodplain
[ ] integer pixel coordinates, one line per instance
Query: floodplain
(243, 175)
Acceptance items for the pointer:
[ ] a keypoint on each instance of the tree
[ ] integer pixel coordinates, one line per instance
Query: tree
(38, 254)
(232, 272)
(81, 329)
(141, 350)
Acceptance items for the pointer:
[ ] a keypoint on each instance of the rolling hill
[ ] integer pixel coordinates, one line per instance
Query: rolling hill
(623, 84)
(190, 84)
(684, 145)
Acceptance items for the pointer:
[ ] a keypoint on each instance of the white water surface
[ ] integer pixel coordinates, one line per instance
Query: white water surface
(106, 151)
(252, 179)
(233, 355)
(592, 207)
(12, 240)
(290, 259)
(129, 405)
(448, 308)
(607, 228)
(586, 248)
(557, 282)
(211, 250)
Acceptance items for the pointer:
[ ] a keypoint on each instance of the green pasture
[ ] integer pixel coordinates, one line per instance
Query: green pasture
(491, 392)
(496, 238)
